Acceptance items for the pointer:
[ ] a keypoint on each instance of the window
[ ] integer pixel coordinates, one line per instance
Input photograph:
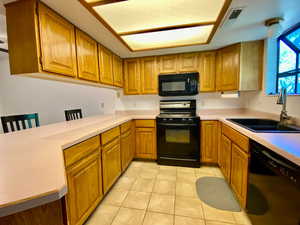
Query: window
(288, 71)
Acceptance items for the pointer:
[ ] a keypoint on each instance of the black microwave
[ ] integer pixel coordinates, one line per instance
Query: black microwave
(178, 84)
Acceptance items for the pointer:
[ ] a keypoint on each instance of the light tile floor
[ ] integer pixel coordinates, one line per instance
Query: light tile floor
(150, 194)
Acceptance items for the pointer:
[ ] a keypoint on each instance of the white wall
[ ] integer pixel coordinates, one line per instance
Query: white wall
(204, 101)
(20, 95)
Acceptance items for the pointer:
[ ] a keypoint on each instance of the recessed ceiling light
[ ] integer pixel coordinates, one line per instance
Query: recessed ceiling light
(169, 38)
(148, 24)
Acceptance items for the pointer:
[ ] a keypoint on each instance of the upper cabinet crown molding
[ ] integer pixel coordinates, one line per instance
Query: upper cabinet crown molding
(87, 57)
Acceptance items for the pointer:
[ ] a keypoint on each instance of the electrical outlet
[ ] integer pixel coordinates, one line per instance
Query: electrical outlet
(102, 105)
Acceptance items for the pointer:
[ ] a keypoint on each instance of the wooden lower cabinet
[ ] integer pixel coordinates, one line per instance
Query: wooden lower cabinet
(126, 149)
(145, 143)
(239, 173)
(111, 161)
(84, 188)
(145, 139)
(225, 156)
(234, 161)
(84, 176)
(209, 141)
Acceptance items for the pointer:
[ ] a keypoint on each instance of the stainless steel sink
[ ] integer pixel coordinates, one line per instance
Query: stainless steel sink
(265, 126)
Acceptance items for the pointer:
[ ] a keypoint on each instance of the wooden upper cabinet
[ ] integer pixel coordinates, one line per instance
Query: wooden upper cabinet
(207, 71)
(149, 76)
(118, 71)
(57, 37)
(239, 173)
(87, 57)
(228, 62)
(209, 141)
(168, 64)
(239, 67)
(106, 65)
(132, 76)
(188, 62)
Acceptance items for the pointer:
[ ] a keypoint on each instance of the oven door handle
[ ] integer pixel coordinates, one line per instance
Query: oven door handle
(177, 124)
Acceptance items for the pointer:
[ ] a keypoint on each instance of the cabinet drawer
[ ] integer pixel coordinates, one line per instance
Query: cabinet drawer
(241, 140)
(145, 123)
(110, 135)
(78, 151)
(125, 126)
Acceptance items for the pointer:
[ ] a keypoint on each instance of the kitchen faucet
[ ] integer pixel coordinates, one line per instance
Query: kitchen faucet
(282, 101)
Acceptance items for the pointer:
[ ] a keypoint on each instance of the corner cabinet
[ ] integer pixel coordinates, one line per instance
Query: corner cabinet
(132, 76)
(145, 135)
(87, 57)
(239, 67)
(84, 176)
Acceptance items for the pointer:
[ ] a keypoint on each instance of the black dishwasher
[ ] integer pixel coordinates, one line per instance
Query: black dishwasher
(274, 188)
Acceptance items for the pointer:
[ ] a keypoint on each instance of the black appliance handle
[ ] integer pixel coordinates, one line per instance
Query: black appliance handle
(177, 124)
(278, 161)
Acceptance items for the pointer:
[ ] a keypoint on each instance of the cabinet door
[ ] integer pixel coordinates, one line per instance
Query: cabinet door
(84, 188)
(228, 68)
(111, 161)
(106, 60)
(118, 71)
(168, 64)
(87, 57)
(209, 141)
(207, 68)
(57, 40)
(188, 62)
(126, 145)
(145, 143)
(239, 173)
(132, 77)
(149, 75)
(225, 156)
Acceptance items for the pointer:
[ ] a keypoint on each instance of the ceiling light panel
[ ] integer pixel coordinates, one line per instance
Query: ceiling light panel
(169, 38)
(135, 15)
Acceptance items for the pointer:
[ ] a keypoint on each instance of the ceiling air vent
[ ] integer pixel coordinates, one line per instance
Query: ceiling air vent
(234, 13)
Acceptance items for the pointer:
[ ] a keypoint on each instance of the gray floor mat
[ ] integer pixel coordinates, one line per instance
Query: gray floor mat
(215, 192)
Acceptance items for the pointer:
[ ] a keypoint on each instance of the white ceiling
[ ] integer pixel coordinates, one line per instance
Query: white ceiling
(249, 26)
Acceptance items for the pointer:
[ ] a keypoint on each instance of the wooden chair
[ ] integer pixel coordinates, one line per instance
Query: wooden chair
(73, 114)
(15, 121)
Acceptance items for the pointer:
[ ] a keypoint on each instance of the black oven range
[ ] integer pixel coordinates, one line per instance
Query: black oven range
(178, 133)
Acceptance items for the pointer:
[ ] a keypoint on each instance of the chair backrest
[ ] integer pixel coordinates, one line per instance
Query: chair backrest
(73, 114)
(19, 122)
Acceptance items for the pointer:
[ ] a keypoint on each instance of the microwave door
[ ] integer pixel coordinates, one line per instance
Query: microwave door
(173, 87)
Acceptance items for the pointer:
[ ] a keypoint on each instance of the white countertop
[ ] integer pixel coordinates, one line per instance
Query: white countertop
(32, 169)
